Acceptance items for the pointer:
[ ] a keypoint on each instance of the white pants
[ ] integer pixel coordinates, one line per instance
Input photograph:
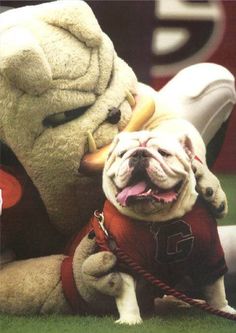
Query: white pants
(228, 241)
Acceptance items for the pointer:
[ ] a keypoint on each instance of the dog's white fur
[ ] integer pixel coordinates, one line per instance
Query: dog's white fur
(127, 302)
(177, 169)
(117, 173)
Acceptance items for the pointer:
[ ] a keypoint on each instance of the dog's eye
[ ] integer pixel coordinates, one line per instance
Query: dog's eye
(163, 153)
(64, 117)
(121, 154)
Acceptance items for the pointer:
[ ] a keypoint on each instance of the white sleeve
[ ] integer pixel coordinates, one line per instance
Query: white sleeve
(203, 94)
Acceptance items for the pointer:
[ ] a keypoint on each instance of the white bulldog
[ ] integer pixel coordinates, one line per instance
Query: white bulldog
(171, 159)
(149, 178)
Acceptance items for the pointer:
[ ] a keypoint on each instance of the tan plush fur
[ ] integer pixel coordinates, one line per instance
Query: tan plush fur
(31, 285)
(34, 286)
(56, 59)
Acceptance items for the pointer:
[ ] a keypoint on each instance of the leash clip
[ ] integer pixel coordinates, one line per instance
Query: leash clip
(100, 218)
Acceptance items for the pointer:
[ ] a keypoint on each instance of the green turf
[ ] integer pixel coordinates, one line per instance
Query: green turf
(184, 321)
(228, 183)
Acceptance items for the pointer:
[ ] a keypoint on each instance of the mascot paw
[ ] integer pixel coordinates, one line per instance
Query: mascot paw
(209, 187)
(94, 271)
(129, 319)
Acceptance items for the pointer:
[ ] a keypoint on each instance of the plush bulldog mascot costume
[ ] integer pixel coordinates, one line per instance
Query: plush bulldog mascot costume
(64, 95)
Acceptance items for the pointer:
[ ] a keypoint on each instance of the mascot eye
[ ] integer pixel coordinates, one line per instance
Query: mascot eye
(163, 153)
(63, 117)
(113, 116)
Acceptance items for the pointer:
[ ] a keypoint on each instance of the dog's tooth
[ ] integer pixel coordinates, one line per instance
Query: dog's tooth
(92, 147)
(130, 98)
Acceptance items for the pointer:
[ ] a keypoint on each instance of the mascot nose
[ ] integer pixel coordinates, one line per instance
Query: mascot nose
(139, 159)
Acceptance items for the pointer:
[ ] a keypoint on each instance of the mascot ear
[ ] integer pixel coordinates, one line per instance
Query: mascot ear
(74, 16)
(23, 62)
(187, 144)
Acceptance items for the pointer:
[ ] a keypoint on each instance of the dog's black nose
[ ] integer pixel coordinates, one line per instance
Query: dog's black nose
(139, 160)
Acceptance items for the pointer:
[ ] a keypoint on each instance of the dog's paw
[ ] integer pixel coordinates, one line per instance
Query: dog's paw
(228, 309)
(209, 188)
(129, 319)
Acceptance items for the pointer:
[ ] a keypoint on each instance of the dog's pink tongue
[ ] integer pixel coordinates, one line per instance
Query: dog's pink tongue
(131, 191)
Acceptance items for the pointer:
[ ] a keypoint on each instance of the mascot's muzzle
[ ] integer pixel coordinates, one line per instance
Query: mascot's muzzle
(143, 110)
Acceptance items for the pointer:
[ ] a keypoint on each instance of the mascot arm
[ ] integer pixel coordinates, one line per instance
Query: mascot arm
(42, 291)
(204, 94)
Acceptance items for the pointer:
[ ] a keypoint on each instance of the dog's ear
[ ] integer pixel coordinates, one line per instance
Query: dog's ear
(187, 144)
(23, 62)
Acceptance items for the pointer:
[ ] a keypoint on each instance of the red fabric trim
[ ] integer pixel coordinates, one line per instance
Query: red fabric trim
(75, 241)
(71, 293)
(11, 189)
(73, 297)
(68, 284)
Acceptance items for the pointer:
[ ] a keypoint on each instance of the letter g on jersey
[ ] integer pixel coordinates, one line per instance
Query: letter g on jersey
(187, 31)
(174, 242)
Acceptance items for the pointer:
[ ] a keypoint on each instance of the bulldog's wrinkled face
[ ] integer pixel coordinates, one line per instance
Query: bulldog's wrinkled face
(148, 175)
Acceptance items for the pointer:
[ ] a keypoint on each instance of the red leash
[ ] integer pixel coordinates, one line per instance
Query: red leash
(125, 258)
(122, 256)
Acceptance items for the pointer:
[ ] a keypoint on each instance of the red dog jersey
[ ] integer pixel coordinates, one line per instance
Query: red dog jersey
(187, 246)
